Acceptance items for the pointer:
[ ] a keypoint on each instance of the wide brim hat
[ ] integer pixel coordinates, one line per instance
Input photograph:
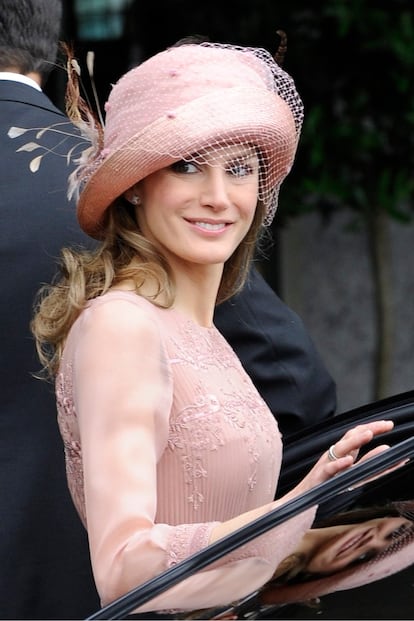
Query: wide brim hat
(182, 104)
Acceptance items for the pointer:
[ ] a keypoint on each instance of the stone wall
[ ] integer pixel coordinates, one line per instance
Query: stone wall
(326, 278)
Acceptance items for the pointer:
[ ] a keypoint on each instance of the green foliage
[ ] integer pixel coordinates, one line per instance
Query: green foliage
(354, 67)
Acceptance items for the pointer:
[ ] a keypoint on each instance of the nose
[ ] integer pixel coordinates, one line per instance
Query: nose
(215, 191)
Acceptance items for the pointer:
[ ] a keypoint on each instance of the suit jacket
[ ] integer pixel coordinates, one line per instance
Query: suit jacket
(43, 546)
(279, 355)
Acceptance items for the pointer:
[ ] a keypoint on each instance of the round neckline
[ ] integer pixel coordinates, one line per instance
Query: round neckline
(173, 309)
(189, 319)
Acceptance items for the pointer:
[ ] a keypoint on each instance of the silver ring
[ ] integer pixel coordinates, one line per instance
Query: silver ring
(332, 456)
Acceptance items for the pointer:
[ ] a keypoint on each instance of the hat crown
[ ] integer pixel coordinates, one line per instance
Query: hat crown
(180, 75)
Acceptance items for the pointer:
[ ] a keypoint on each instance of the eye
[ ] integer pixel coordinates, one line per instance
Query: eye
(242, 168)
(184, 168)
(399, 532)
(364, 557)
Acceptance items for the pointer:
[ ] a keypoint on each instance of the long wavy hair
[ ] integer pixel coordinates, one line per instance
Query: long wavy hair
(124, 254)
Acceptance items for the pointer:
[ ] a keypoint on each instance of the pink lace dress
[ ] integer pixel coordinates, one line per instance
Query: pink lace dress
(165, 435)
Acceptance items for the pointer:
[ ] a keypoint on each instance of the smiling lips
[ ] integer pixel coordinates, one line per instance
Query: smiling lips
(209, 226)
(356, 541)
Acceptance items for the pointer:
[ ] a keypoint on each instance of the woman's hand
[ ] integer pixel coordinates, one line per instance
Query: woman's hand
(343, 454)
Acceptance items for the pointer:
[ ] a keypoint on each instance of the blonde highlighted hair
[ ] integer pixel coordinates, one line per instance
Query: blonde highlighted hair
(124, 254)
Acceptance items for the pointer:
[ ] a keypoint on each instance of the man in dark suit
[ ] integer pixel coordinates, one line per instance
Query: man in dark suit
(44, 555)
(274, 347)
(43, 547)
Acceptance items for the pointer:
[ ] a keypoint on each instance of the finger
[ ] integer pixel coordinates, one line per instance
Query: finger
(352, 442)
(374, 452)
(340, 464)
(376, 427)
(360, 435)
(380, 449)
(381, 426)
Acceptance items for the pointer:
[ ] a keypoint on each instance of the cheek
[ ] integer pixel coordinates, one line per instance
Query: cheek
(165, 199)
(155, 205)
(247, 201)
(250, 210)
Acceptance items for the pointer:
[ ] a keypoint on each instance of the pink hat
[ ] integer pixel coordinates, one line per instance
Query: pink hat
(182, 103)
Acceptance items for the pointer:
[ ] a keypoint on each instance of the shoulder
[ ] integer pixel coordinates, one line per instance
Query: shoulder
(18, 93)
(29, 117)
(119, 312)
(115, 322)
(116, 326)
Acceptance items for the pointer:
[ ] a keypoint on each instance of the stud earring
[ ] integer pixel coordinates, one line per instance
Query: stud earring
(136, 200)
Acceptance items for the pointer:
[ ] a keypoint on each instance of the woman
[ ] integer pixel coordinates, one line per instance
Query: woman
(347, 550)
(169, 447)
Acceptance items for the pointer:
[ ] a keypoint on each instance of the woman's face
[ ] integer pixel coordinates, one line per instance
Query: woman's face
(199, 213)
(350, 543)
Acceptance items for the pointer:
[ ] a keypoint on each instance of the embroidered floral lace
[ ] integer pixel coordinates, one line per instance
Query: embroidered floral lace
(164, 436)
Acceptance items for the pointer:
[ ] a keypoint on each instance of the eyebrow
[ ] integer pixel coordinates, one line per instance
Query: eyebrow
(241, 151)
